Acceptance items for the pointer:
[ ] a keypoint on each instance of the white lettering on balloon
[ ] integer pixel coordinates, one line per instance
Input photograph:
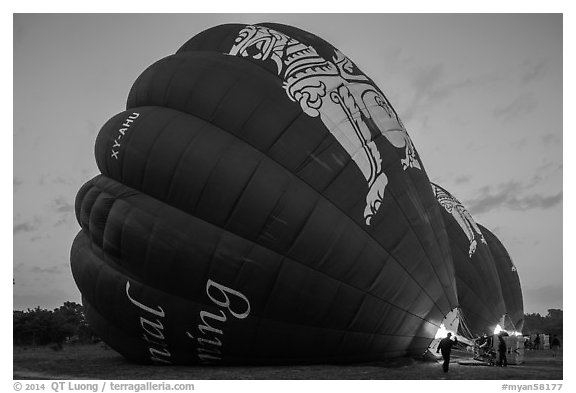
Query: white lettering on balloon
(347, 101)
(121, 132)
(152, 329)
(211, 329)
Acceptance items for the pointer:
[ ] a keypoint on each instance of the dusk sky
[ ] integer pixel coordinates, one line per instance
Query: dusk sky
(481, 96)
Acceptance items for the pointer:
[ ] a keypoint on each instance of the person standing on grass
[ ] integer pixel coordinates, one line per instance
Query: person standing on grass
(555, 345)
(445, 346)
(537, 342)
(502, 360)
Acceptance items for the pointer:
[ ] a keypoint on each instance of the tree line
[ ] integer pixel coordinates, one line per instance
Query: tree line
(67, 323)
(550, 324)
(38, 326)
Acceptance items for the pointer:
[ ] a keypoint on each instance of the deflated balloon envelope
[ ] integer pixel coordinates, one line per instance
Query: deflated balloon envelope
(480, 297)
(260, 202)
(509, 281)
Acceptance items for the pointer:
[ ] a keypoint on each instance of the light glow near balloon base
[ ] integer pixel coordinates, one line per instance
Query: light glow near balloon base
(443, 332)
(498, 329)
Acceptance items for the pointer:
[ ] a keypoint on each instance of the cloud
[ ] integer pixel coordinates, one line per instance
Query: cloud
(462, 179)
(540, 201)
(17, 184)
(46, 180)
(546, 172)
(428, 89)
(522, 105)
(65, 209)
(63, 205)
(55, 269)
(550, 167)
(29, 226)
(433, 84)
(552, 139)
(24, 227)
(508, 195)
(18, 266)
(533, 72)
(61, 180)
(427, 80)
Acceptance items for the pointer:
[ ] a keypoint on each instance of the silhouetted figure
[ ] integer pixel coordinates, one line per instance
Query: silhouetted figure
(502, 360)
(555, 345)
(445, 346)
(537, 342)
(484, 341)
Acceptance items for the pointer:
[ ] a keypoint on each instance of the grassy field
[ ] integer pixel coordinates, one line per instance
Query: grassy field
(95, 362)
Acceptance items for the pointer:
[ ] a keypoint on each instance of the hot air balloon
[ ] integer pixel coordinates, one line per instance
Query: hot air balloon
(509, 282)
(260, 202)
(480, 298)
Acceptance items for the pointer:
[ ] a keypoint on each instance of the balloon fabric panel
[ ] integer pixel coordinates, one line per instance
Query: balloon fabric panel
(509, 281)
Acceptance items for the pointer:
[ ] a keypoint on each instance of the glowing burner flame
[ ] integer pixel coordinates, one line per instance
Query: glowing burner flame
(442, 332)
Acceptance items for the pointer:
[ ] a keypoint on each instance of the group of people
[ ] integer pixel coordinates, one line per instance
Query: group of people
(446, 344)
(537, 344)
